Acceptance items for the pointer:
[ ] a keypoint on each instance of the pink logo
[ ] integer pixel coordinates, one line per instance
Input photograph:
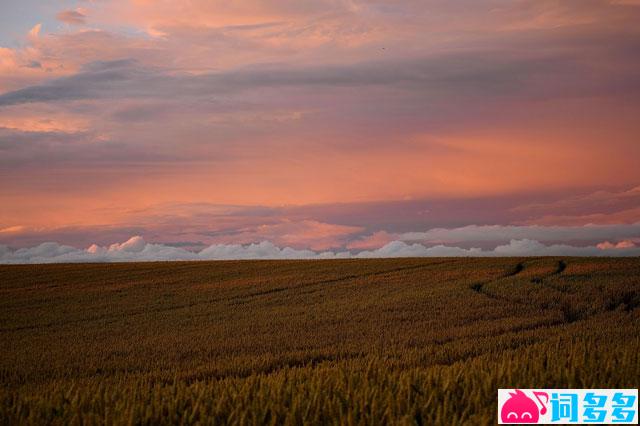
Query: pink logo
(519, 408)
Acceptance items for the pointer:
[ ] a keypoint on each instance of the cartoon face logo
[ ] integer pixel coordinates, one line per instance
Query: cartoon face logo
(519, 408)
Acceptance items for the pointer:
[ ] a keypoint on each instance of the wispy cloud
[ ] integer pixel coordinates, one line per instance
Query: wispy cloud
(72, 17)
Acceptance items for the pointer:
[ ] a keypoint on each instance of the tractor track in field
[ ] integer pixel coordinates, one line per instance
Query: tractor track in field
(518, 268)
(628, 300)
(243, 298)
(562, 265)
(479, 287)
(239, 299)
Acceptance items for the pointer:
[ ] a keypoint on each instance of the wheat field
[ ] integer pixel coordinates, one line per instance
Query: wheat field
(395, 341)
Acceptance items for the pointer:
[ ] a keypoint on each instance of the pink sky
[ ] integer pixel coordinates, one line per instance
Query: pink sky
(325, 124)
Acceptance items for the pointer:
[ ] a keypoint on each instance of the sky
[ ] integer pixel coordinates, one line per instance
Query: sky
(159, 130)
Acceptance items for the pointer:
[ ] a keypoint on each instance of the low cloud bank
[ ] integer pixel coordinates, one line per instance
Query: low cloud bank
(136, 249)
(477, 233)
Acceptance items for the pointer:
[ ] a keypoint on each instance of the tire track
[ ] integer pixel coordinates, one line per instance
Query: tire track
(233, 300)
(243, 298)
(479, 287)
(569, 313)
(562, 265)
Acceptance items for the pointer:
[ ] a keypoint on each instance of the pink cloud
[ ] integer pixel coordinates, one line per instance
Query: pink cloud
(298, 234)
(307, 103)
(619, 245)
(34, 33)
(373, 241)
(15, 229)
(72, 17)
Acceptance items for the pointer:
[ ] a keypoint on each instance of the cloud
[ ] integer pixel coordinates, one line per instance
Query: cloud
(402, 249)
(518, 248)
(134, 249)
(76, 146)
(626, 2)
(400, 101)
(262, 250)
(34, 33)
(304, 233)
(12, 229)
(353, 226)
(498, 73)
(377, 239)
(137, 250)
(132, 245)
(620, 245)
(602, 206)
(489, 233)
(72, 17)
(535, 248)
(97, 79)
(128, 79)
(601, 198)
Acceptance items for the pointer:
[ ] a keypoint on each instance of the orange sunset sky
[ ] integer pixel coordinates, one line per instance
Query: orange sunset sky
(153, 130)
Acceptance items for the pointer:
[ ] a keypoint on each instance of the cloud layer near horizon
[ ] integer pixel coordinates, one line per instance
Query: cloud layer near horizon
(137, 250)
(475, 233)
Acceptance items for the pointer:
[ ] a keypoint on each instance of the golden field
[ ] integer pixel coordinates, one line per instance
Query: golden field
(394, 341)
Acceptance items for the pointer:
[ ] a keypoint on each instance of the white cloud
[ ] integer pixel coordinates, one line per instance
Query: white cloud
(136, 249)
(536, 248)
(263, 250)
(476, 233)
(402, 249)
(133, 245)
